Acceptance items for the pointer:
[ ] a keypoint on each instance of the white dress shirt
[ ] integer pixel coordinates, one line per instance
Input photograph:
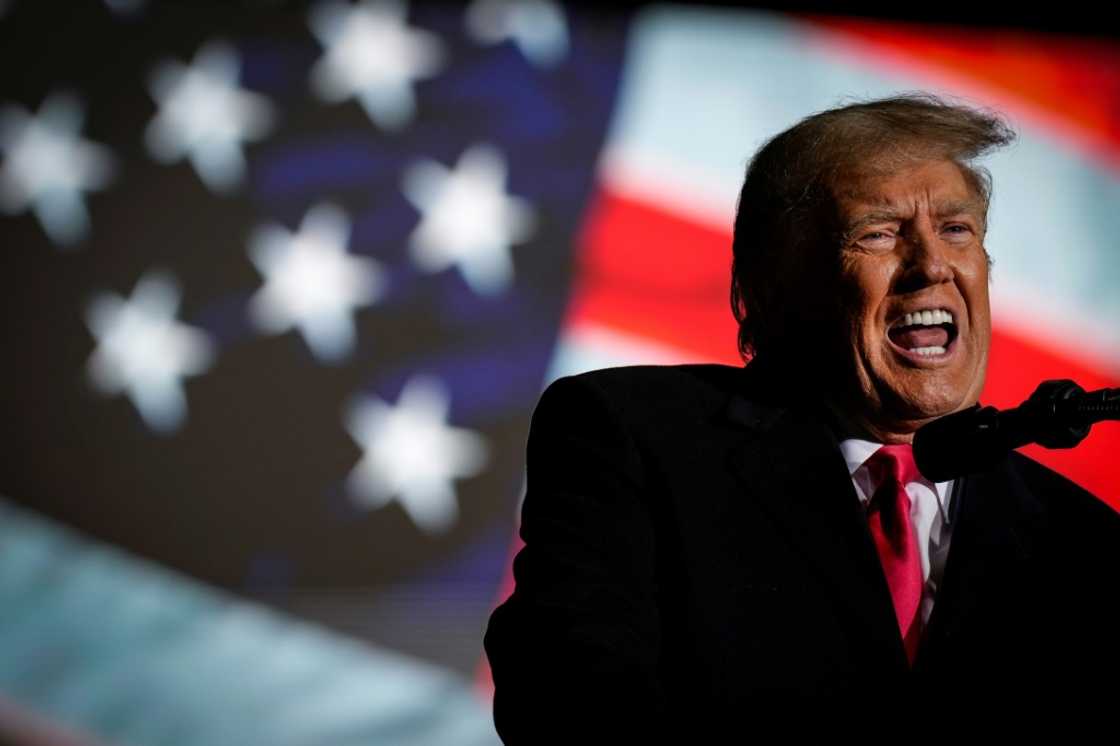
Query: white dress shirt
(929, 513)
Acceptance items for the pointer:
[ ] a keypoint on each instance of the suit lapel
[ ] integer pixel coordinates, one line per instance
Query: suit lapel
(994, 533)
(791, 466)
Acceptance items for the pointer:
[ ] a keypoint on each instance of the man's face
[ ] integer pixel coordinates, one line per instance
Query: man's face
(913, 295)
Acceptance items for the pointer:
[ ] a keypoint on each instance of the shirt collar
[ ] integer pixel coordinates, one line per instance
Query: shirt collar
(857, 451)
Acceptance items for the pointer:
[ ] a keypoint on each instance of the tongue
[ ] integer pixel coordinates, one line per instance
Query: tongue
(921, 336)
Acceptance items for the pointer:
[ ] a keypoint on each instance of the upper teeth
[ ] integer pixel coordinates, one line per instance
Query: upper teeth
(927, 318)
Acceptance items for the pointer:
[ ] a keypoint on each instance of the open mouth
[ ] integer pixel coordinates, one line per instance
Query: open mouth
(927, 334)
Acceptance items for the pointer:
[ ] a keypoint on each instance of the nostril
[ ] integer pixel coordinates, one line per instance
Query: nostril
(919, 274)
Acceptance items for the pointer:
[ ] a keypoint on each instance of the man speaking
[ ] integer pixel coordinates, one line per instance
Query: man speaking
(711, 547)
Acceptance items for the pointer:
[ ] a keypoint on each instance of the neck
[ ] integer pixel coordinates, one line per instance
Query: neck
(849, 425)
(800, 386)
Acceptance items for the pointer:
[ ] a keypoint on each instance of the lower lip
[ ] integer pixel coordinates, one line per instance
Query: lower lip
(926, 361)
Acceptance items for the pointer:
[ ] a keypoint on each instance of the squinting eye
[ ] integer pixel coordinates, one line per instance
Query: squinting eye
(876, 237)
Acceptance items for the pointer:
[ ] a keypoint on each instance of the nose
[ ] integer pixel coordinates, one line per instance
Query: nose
(926, 260)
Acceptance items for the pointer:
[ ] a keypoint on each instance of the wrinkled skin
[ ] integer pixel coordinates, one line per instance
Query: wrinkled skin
(911, 238)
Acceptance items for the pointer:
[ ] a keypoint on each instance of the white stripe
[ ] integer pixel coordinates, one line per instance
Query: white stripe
(702, 89)
(590, 346)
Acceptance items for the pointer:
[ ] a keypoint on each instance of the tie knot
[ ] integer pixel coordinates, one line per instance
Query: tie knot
(894, 462)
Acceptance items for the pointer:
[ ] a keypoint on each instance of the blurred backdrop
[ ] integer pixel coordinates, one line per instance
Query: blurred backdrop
(283, 281)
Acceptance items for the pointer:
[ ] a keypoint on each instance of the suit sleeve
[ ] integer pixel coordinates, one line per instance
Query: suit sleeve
(574, 650)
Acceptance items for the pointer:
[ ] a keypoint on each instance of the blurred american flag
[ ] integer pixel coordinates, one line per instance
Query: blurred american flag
(284, 282)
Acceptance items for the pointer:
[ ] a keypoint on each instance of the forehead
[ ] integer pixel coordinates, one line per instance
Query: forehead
(938, 185)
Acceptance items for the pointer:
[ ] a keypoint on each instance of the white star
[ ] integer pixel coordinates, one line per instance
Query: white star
(311, 283)
(411, 454)
(537, 27)
(204, 116)
(373, 56)
(467, 218)
(47, 166)
(143, 352)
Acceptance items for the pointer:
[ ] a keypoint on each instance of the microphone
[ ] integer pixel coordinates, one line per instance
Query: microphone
(1057, 415)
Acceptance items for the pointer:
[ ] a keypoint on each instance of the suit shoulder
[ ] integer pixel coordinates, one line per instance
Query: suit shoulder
(1061, 495)
(658, 378)
(644, 389)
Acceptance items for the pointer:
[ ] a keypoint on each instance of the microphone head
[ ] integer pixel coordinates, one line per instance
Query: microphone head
(1054, 414)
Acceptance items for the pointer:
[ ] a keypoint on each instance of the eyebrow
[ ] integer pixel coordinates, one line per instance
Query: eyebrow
(941, 210)
(877, 216)
(972, 206)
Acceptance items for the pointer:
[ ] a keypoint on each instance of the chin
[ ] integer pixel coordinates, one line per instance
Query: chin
(909, 395)
(930, 406)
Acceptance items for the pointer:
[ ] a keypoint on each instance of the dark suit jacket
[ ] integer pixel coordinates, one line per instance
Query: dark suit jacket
(696, 557)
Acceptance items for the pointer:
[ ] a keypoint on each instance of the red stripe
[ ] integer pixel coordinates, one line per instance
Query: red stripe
(1072, 80)
(664, 278)
(645, 272)
(1015, 367)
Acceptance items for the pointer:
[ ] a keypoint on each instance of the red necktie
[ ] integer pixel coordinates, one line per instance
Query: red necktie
(888, 517)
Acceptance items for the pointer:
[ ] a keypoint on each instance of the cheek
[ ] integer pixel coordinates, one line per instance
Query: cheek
(864, 338)
(976, 281)
(862, 287)
(980, 313)
(866, 309)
